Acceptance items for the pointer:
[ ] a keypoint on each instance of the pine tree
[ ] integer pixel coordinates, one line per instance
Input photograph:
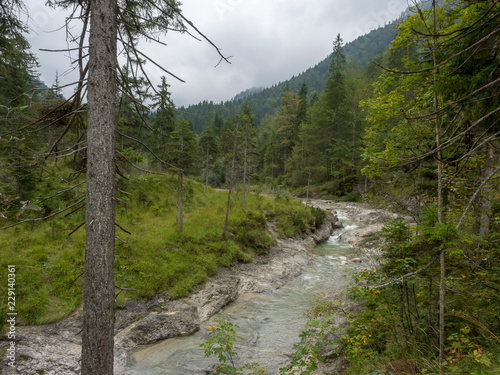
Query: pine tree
(301, 108)
(209, 148)
(99, 283)
(248, 134)
(182, 148)
(286, 134)
(163, 120)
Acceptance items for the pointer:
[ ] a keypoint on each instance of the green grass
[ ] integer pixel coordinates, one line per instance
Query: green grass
(155, 257)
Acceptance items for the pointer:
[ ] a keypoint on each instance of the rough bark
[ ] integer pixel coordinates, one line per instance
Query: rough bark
(442, 258)
(181, 203)
(178, 198)
(244, 174)
(98, 289)
(486, 193)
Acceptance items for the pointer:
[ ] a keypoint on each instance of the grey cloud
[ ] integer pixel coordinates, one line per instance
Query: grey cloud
(269, 40)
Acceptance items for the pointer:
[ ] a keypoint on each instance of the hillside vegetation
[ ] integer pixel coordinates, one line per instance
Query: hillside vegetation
(266, 101)
(416, 132)
(153, 257)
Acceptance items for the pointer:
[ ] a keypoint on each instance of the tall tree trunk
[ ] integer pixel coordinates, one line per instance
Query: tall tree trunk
(181, 204)
(171, 186)
(244, 174)
(75, 160)
(178, 198)
(272, 163)
(308, 184)
(429, 304)
(440, 193)
(206, 169)
(181, 214)
(486, 193)
(233, 162)
(99, 287)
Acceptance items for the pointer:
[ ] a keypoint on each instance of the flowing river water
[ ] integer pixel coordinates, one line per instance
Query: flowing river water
(269, 322)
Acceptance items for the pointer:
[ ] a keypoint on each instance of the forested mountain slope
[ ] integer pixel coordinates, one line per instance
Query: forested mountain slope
(266, 101)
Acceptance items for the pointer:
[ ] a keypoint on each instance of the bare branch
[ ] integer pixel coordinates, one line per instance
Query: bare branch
(62, 50)
(444, 62)
(475, 195)
(45, 217)
(71, 282)
(119, 226)
(222, 57)
(402, 278)
(78, 227)
(137, 167)
(42, 199)
(147, 148)
(152, 61)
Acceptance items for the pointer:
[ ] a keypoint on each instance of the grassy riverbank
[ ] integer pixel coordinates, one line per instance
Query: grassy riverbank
(155, 257)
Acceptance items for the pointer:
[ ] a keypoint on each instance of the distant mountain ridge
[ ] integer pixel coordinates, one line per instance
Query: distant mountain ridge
(264, 101)
(248, 92)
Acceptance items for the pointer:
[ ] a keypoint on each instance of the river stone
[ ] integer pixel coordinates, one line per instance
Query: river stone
(355, 235)
(323, 233)
(179, 319)
(129, 312)
(309, 242)
(50, 350)
(214, 296)
(356, 260)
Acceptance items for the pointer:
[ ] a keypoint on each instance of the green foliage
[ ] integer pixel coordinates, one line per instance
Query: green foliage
(155, 257)
(291, 219)
(319, 216)
(304, 361)
(251, 232)
(220, 343)
(266, 102)
(183, 148)
(307, 356)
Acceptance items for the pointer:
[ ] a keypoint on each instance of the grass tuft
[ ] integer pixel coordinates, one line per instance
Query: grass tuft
(155, 257)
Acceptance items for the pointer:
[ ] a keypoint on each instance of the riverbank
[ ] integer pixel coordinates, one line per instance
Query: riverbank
(364, 236)
(55, 349)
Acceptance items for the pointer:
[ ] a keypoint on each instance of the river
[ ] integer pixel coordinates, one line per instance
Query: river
(269, 322)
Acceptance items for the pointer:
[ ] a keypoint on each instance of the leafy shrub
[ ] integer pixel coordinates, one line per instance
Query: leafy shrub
(319, 216)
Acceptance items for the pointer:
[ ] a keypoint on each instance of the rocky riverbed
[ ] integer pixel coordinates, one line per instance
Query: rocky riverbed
(55, 349)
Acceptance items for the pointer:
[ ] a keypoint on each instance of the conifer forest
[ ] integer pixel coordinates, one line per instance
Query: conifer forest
(112, 194)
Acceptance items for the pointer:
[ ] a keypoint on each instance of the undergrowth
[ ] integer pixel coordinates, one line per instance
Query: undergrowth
(155, 257)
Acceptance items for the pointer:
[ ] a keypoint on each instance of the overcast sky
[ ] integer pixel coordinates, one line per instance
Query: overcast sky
(269, 41)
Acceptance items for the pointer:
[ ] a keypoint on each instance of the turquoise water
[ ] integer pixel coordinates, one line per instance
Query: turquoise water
(269, 322)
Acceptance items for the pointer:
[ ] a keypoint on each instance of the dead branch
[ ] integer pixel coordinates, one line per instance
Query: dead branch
(408, 275)
(45, 217)
(76, 209)
(475, 195)
(444, 62)
(62, 50)
(119, 226)
(222, 57)
(71, 153)
(71, 282)
(137, 167)
(78, 227)
(122, 201)
(42, 199)
(147, 148)
(121, 240)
